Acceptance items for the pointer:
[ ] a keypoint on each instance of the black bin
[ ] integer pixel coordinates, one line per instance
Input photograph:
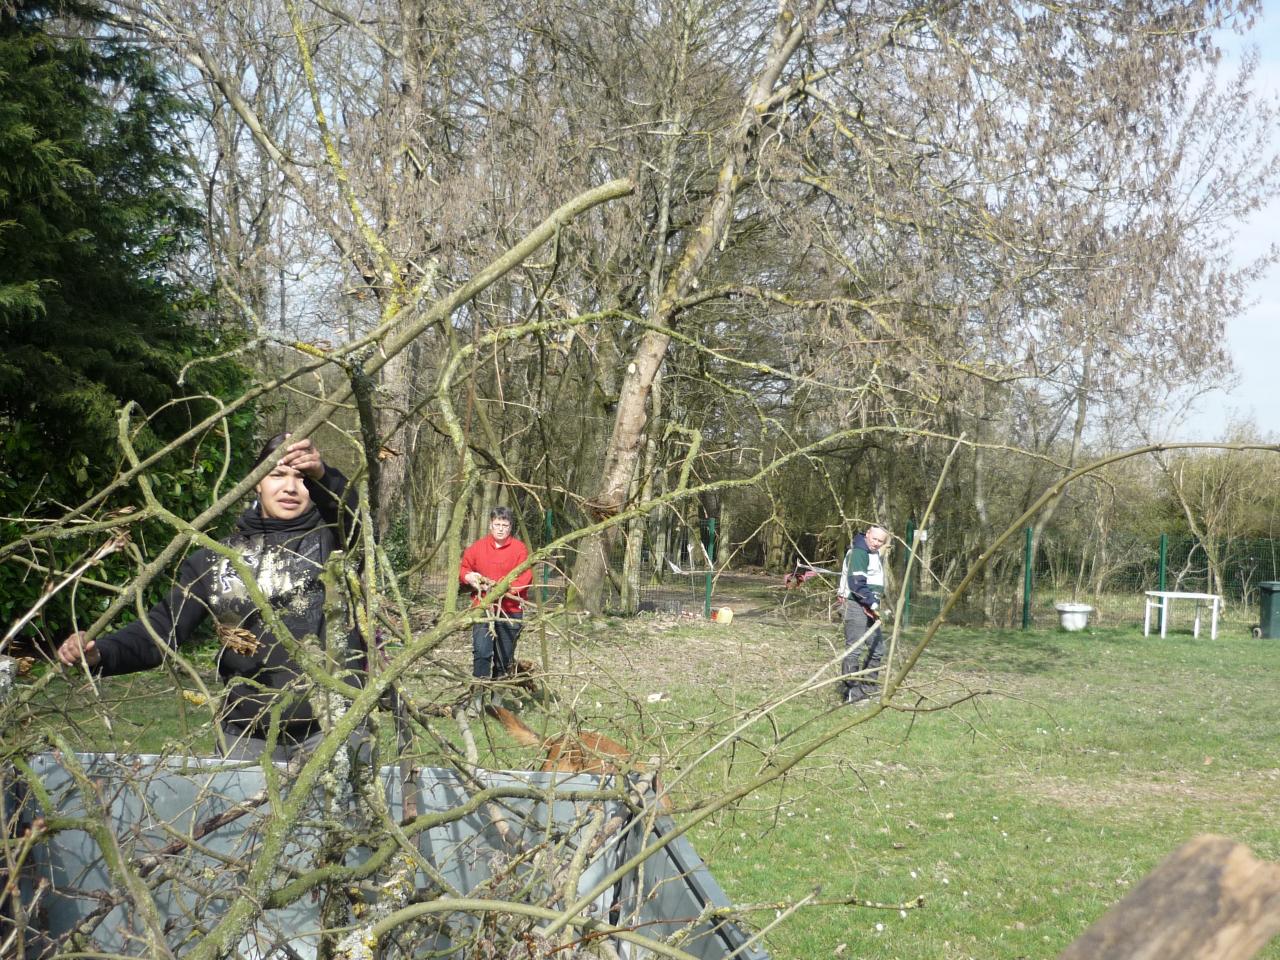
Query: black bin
(1269, 624)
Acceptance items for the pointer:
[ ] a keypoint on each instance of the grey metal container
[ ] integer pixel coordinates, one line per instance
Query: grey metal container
(153, 804)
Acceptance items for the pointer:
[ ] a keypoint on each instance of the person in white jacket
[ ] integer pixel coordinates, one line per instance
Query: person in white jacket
(860, 589)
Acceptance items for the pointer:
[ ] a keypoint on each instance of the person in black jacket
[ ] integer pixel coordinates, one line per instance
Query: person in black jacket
(303, 513)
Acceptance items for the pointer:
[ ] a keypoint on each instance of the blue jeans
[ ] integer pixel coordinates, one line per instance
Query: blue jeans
(493, 646)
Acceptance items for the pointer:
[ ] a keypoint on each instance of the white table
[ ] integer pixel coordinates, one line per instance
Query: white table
(1162, 600)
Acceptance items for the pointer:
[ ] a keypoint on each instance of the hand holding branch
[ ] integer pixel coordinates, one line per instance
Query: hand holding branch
(303, 456)
(478, 581)
(76, 650)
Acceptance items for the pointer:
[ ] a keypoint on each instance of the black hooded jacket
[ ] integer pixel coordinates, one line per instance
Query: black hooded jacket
(286, 557)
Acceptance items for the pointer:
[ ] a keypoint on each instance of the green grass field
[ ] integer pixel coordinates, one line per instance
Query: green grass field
(1064, 769)
(1020, 815)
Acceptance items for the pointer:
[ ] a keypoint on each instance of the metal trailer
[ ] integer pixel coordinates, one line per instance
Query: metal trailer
(154, 803)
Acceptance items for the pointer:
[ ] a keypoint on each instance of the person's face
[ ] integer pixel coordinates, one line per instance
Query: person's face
(500, 530)
(282, 495)
(876, 538)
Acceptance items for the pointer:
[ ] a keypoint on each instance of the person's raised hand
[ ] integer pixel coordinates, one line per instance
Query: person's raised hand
(303, 456)
(74, 649)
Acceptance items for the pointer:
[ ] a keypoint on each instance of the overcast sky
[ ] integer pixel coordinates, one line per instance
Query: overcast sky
(1254, 339)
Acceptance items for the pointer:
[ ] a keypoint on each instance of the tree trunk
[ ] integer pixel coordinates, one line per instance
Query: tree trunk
(775, 542)
(631, 573)
(623, 450)
(1077, 437)
(724, 546)
(1211, 899)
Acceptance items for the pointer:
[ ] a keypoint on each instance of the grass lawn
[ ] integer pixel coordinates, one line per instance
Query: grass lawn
(1020, 815)
(1064, 769)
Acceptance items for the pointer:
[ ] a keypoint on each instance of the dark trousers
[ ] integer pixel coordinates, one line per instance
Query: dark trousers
(493, 646)
(245, 747)
(865, 660)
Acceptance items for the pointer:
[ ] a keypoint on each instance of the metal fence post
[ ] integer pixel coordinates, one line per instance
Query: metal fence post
(1026, 582)
(906, 574)
(1164, 566)
(711, 562)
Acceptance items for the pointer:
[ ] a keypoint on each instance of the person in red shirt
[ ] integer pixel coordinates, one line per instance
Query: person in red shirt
(488, 560)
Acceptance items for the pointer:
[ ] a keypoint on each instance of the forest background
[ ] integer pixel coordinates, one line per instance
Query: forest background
(835, 243)
(630, 269)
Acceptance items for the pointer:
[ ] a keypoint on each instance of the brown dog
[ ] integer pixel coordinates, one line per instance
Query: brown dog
(588, 752)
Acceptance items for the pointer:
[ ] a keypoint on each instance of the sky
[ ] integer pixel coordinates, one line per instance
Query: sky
(1254, 338)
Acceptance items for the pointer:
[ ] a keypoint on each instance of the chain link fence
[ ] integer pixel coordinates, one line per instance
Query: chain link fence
(1110, 575)
(667, 563)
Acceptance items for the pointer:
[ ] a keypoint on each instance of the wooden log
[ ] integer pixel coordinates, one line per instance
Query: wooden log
(1211, 899)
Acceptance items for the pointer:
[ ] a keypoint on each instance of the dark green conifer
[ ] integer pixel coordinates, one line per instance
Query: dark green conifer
(96, 228)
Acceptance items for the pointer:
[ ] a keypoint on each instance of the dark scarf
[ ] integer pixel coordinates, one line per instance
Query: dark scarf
(252, 523)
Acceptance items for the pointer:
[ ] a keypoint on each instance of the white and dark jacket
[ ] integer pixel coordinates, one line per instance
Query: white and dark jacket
(286, 557)
(862, 574)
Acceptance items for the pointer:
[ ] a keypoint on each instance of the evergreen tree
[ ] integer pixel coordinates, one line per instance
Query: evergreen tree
(94, 219)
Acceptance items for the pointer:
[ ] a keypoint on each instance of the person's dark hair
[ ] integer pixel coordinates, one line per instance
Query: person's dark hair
(270, 447)
(502, 513)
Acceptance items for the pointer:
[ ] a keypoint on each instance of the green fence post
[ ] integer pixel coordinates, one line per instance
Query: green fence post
(1164, 566)
(1026, 582)
(711, 562)
(906, 574)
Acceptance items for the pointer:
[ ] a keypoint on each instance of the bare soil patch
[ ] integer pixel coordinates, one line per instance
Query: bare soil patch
(1254, 787)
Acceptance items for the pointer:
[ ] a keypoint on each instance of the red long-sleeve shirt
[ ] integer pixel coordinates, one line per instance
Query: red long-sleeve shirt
(490, 560)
